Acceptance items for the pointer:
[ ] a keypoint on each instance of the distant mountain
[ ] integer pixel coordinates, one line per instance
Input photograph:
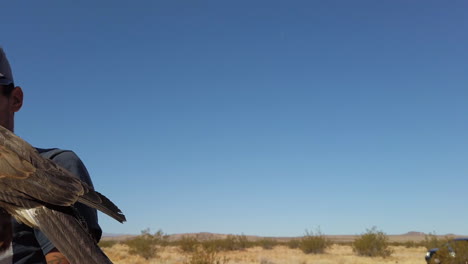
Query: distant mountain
(114, 235)
(414, 233)
(204, 236)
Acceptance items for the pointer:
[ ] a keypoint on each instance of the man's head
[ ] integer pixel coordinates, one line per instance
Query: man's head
(11, 97)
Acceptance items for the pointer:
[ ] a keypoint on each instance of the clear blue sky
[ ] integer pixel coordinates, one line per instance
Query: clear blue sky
(255, 117)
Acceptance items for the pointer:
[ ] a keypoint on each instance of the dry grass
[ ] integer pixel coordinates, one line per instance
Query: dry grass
(336, 254)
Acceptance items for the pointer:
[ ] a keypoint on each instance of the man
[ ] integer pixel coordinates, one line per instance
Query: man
(31, 246)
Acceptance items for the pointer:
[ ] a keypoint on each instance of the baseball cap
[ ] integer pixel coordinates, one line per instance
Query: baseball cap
(6, 77)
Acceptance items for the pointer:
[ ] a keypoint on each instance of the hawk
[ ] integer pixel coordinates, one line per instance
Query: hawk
(40, 194)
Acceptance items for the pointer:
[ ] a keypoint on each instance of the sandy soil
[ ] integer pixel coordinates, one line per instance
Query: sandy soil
(337, 254)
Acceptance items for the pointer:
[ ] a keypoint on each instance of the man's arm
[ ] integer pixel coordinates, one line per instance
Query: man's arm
(72, 163)
(55, 257)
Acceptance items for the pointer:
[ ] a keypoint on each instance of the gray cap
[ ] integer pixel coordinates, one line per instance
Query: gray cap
(6, 77)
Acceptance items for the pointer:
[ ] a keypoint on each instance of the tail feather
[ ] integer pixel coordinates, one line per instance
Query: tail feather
(69, 237)
(104, 205)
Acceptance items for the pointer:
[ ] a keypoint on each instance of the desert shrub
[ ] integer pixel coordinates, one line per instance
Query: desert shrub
(441, 256)
(451, 252)
(206, 256)
(432, 241)
(312, 243)
(243, 242)
(160, 238)
(230, 243)
(459, 252)
(410, 244)
(406, 244)
(267, 243)
(145, 244)
(107, 243)
(141, 246)
(373, 243)
(294, 243)
(227, 244)
(188, 244)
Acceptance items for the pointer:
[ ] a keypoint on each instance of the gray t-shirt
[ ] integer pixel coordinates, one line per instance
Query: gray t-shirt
(30, 245)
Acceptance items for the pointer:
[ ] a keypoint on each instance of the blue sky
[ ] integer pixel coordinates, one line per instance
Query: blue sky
(255, 117)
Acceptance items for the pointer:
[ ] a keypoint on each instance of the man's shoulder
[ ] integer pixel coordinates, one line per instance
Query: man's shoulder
(68, 160)
(57, 153)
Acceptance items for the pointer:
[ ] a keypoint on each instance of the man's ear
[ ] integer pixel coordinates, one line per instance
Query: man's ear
(16, 99)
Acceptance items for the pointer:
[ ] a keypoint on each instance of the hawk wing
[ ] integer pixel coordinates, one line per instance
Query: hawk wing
(40, 194)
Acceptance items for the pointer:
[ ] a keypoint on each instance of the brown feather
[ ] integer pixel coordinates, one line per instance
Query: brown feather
(37, 192)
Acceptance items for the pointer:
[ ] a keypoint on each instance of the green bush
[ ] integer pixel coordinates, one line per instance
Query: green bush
(188, 244)
(373, 243)
(141, 246)
(206, 256)
(227, 244)
(294, 243)
(453, 252)
(432, 241)
(267, 243)
(230, 243)
(312, 243)
(145, 244)
(243, 242)
(107, 243)
(160, 238)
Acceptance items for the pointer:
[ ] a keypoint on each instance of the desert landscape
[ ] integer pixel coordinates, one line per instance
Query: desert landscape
(409, 248)
(337, 254)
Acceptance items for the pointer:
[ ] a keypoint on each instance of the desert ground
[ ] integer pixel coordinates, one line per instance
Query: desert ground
(336, 254)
